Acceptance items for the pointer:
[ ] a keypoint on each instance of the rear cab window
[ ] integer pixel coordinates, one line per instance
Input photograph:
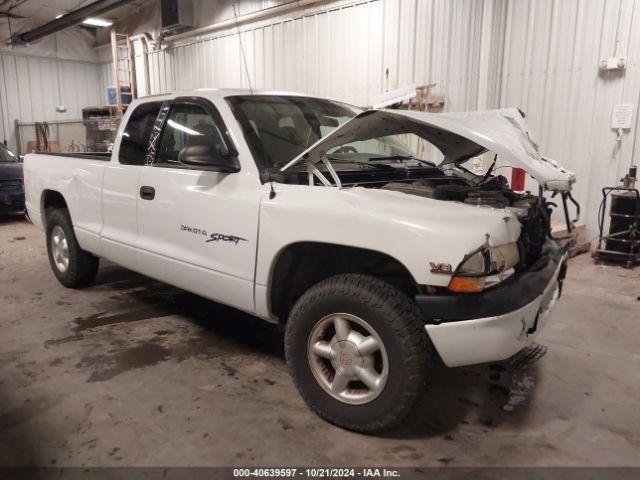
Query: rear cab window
(135, 137)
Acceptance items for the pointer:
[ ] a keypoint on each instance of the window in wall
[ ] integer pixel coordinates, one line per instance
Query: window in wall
(135, 137)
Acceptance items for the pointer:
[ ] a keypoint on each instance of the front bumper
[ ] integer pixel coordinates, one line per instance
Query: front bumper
(493, 325)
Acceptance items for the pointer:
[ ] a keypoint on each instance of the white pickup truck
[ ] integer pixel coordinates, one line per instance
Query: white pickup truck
(381, 238)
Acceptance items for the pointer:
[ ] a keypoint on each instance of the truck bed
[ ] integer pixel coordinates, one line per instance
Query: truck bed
(77, 177)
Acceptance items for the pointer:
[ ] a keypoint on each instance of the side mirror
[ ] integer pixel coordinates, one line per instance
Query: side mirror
(209, 157)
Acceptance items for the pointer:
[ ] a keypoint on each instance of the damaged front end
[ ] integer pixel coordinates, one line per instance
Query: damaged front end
(488, 302)
(459, 137)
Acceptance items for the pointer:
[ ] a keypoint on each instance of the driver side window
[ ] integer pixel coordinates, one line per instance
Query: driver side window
(187, 124)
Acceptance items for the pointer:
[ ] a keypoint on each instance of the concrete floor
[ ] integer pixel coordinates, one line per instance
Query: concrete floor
(133, 372)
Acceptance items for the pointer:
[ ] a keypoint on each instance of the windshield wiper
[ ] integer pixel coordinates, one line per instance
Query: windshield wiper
(401, 157)
(394, 157)
(356, 162)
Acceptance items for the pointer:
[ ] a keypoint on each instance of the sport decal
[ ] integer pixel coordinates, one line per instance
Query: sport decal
(214, 237)
(220, 237)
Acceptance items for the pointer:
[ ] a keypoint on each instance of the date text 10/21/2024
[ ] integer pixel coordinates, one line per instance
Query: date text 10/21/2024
(316, 472)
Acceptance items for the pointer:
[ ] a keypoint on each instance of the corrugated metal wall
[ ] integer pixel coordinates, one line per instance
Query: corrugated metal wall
(207, 12)
(543, 57)
(341, 51)
(31, 87)
(552, 49)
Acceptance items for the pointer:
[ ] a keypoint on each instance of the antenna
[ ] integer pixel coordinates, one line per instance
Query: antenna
(244, 57)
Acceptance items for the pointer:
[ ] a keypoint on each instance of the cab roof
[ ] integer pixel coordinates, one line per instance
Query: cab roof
(220, 93)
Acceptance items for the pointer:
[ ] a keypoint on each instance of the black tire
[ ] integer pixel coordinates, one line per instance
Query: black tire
(83, 266)
(399, 325)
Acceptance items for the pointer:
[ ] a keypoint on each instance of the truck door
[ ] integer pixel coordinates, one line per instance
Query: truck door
(197, 228)
(119, 233)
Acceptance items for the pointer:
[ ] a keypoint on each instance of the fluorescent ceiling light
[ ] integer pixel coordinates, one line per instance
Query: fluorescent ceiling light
(60, 15)
(97, 22)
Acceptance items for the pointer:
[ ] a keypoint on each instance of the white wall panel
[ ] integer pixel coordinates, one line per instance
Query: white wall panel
(210, 11)
(550, 70)
(341, 50)
(31, 87)
(540, 55)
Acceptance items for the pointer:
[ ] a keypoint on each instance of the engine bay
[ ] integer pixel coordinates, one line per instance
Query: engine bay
(430, 181)
(494, 192)
(532, 211)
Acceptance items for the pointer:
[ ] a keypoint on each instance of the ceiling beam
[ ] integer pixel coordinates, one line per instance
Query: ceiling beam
(69, 19)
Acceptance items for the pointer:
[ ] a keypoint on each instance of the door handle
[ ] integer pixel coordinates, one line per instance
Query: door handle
(147, 193)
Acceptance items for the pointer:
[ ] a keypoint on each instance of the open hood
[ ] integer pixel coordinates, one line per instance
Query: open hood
(457, 135)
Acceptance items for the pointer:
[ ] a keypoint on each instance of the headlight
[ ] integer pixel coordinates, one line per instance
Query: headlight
(485, 267)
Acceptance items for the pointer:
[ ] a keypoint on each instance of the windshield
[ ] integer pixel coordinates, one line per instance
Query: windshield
(7, 155)
(279, 128)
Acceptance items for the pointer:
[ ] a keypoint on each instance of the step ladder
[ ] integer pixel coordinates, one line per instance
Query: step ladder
(123, 70)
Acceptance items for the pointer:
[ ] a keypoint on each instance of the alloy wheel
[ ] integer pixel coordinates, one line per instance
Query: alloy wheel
(348, 359)
(59, 248)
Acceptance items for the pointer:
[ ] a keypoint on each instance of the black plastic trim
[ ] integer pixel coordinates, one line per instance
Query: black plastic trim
(101, 156)
(514, 294)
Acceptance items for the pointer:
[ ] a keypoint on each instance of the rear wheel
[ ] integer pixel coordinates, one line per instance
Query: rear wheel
(358, 352)
(72, 266)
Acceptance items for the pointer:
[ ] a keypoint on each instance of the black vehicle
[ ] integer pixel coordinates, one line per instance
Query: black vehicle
(11, 182)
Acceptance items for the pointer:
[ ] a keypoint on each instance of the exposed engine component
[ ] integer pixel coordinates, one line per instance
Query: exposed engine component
(454, 190)
(536, 227)
(487, 198)
(494, 192)
(532, 212)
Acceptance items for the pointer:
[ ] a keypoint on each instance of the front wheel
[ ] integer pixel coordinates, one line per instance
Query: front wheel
(358, 352)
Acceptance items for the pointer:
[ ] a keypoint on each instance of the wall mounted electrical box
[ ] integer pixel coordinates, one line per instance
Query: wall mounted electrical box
(177, 15)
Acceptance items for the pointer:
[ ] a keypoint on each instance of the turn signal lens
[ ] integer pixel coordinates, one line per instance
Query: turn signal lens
(466, 284)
